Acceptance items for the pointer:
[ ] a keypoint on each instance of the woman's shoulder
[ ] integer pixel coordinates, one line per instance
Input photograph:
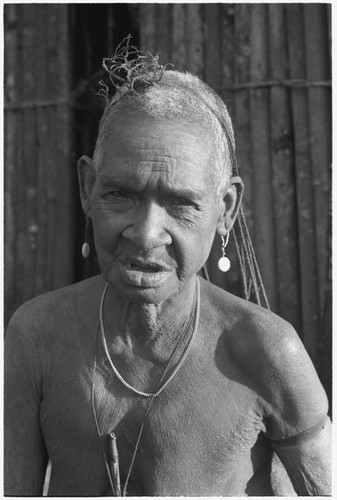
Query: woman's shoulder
(58, 306)
(242, 316)
(267, 351)
(254, 336)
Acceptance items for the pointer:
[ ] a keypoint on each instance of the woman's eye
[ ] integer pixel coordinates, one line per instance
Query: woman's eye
(183, 202)
(118, 194)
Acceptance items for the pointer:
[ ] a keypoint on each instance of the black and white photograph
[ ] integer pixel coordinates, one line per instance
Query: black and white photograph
(167, 249)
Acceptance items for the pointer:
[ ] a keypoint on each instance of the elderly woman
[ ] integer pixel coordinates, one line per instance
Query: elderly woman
(147, 379)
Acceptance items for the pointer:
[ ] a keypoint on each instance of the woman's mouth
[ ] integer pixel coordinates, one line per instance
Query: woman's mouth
(143, 274)
(146, 268)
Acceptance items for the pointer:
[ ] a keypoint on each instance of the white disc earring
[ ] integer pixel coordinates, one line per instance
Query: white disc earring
(224, 263)
(86, 246)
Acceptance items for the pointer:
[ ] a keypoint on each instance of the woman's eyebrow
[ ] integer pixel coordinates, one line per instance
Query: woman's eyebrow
(195, 194)
(127, 182)
(117, 181)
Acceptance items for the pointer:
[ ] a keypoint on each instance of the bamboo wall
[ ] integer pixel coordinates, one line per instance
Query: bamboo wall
(37, 152)
(271, 64)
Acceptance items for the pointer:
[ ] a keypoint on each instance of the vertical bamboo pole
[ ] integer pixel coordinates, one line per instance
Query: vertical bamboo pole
(328, 15)
(319, 104)
(213, 45)
(29, 160)
(242, 116)
(319, 101)
(178, 36)
(304, 190)
(63, 202)
(19, 195)
(283, 182)
(231, 280)
(213, 73)
(44, 159)
(264, 221)
(325, 340)
(26, 169)
(213, 76)
(194, 40)
(163, 32)
(54, 175)
(325, 348)
(148, 21)
(12, 120)
(227, 54)
(110, 28)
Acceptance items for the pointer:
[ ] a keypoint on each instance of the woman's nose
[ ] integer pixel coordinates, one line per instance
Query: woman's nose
(147, 229)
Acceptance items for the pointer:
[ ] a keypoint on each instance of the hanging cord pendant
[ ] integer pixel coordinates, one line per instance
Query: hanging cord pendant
(251, 277)
(114, 464)
(252, 281)
(113, 469)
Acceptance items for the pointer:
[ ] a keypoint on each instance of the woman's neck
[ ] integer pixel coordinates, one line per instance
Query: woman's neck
(148, 329)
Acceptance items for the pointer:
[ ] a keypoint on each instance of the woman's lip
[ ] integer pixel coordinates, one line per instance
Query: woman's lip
(146, 268)
(144, 265)
(142, 277)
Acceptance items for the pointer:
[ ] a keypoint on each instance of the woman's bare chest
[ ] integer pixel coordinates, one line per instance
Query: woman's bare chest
(185, 441)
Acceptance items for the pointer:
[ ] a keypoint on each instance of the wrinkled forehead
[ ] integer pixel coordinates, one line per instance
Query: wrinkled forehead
(132, 134)
(180, 152)
(192, 123)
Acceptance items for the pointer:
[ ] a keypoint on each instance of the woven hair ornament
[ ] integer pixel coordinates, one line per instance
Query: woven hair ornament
(132, 70)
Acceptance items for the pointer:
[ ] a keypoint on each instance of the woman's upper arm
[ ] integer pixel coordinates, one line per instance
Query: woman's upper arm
(25, 456)
(298, 426)
(308, 461)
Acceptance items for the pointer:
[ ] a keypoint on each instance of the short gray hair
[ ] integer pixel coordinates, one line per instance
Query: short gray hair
(182, 96)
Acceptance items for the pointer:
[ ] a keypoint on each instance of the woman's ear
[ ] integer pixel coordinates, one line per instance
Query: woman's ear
(86, 178)
(231, 201)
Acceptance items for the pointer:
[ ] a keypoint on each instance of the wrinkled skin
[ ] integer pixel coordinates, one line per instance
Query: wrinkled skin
(246, 384)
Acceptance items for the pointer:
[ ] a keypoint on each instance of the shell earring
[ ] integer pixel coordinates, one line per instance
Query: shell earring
(224, 263)
(86, 246)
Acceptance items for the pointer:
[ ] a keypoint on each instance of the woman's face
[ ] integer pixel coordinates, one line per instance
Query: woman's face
(154, 207)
